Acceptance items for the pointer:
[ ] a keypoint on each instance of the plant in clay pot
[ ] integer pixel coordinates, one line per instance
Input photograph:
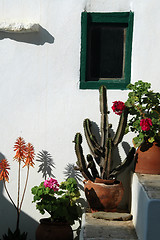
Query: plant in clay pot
(144, 107)
(102, 156)
(24, 154)
(60, 201)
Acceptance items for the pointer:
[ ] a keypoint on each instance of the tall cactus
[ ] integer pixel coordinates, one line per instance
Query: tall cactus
(102, 152)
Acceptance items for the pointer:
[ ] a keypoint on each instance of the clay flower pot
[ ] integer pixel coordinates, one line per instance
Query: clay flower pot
(147, 158)
(48, 230)
(103, 195)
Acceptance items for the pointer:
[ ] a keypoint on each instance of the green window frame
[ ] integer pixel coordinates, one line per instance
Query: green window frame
(88, 19)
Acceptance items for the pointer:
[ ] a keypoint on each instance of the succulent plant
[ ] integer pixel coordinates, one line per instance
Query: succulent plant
(102, 151)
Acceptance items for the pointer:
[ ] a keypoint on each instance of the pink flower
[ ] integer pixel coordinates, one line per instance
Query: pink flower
(52, 184)
(118, 107)
(145, 124)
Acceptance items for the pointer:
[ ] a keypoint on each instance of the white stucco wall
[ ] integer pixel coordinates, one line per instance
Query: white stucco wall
(39, 83)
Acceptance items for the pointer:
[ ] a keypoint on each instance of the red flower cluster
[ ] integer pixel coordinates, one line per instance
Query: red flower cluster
(52, 184)
(29, 155)
(145, 124)
(24, 153)
(4, 166)
(118, 107)
(20, 148)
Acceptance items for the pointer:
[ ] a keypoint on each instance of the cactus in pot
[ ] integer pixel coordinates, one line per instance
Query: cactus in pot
(102, 151)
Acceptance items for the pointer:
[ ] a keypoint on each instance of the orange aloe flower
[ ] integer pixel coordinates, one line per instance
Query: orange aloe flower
(4, 174)
(20, 148)
(29, 155)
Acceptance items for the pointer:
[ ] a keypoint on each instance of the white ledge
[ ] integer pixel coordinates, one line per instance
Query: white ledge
(17, 27)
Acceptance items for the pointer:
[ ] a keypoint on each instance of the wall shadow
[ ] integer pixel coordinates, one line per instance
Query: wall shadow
(8, 216)
(125, 177)
(69, 172)
(36, 38)
(46, 163)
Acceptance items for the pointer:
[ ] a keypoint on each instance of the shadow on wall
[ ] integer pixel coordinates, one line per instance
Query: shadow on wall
(125, 177)
(46, 164)
(69, 172)
(37, 38)
(8, 216)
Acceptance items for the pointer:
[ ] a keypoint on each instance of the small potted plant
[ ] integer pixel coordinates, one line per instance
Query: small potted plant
(144, 107)
(60, 201)
(102, 189)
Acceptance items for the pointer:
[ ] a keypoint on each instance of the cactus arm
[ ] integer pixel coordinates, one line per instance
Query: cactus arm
(104, 115)
(83, 174)
(121, 127)
(109, 157)
(107, 160)
(92, 166)
(124, 164)
(82, 166)
(95, 148)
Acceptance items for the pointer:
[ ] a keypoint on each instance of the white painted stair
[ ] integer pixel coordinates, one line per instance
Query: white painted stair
(146, 206)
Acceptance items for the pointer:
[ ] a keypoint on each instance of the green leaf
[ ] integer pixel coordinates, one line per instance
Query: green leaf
(137, 141)
(151, 140)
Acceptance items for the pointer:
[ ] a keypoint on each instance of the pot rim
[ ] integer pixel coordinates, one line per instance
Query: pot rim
(47, 221)
(108, 182)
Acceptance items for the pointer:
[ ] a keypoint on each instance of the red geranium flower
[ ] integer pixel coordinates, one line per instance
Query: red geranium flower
(4, 174)
(118, 107)
(145, 124)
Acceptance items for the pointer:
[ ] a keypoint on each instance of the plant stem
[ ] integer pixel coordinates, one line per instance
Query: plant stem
(18, 184)
(18, 215)
(141, 113)
(24, 188)
(157, 113)
(9, 194)
(17, 227)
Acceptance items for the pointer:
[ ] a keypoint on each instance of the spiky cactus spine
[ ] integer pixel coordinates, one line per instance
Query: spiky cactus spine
(102, 152)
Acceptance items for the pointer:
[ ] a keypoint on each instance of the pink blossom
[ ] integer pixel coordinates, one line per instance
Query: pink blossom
(52, 184)
(118, 107)
(145, 124)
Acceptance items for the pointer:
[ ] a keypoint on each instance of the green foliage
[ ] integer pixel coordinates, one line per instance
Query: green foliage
(143, 103)
(15, 236)
(62, 204)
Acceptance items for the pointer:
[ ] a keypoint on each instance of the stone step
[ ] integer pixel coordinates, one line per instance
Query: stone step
(100, 229)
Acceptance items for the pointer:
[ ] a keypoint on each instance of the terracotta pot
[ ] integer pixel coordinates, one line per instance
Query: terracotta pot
(103, 195)
(48, 230)
(147, 158)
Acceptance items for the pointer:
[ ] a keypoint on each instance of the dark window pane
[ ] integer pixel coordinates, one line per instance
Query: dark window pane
(105, 51)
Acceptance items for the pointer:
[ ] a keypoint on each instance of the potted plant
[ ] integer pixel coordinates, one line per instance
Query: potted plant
(144, 107)
(24, 154)
(60, 202)
(102, 189)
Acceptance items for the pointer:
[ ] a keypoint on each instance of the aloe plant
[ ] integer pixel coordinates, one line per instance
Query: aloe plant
(102, 151)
